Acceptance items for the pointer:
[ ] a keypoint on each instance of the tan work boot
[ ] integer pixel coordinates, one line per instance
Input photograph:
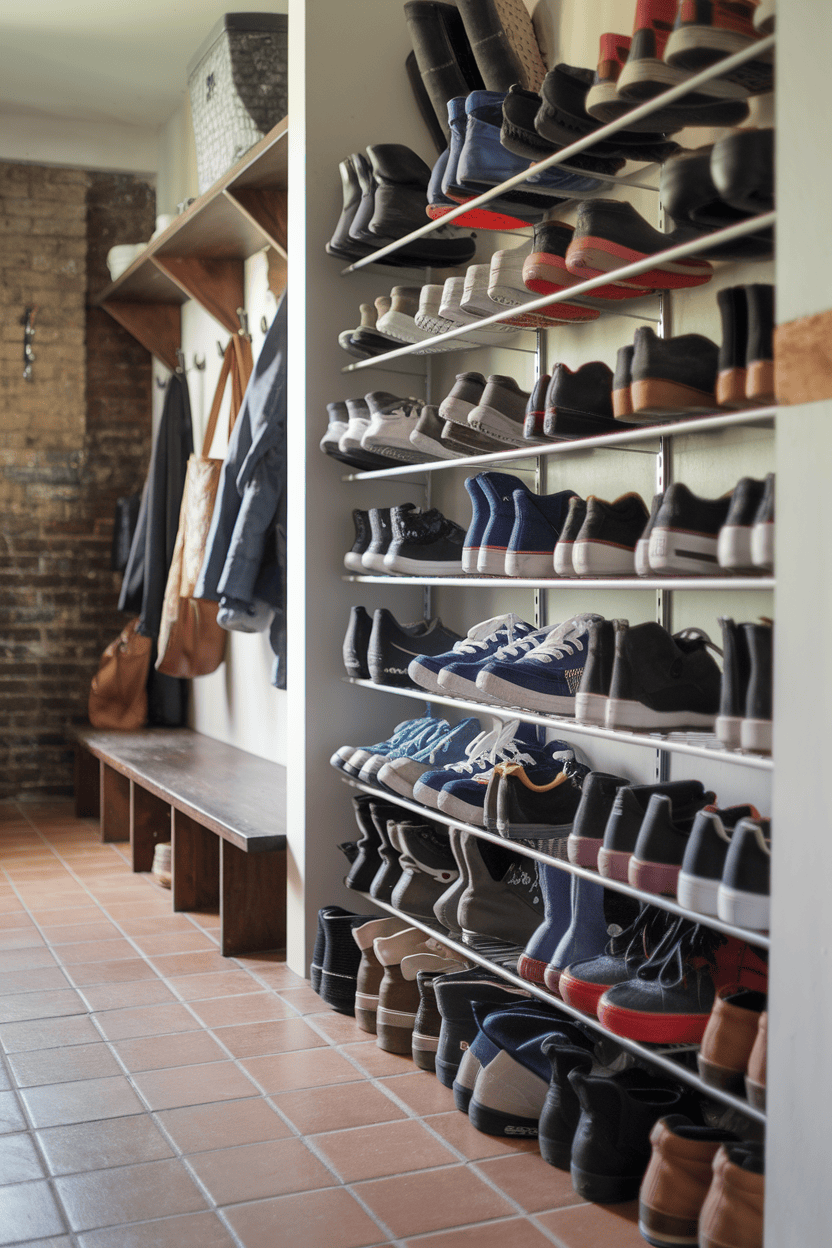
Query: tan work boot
(729, 1038)
(732, 1215)
(755, 1078)
(677, 1179)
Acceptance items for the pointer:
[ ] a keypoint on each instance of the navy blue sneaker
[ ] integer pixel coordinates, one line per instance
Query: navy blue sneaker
(547, 678)
(499, 489)
(483, 641)
(459, 678)
(480, 515)
(510, 1091)
(502, 744)
(464, 797)
(538, 521)
(445, 192)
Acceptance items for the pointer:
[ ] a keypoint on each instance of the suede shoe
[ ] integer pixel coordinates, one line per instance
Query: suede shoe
(497, 490)
(672, 377)
(582, 983)
(606, 543)
(595, 914)
(610, 234)
(729, 1037)
(677, 1180)
(690, 196)
(556, 888)
(685, 533)
(755, 1076)
(391, 646)
(579, 403)
(627, 812)
(519, 134)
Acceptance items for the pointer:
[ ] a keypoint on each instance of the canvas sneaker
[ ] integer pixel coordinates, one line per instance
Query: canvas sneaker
(502, 900)
(483, 639)
(606, 542)
(583, 982)
(662, 683)
(492, 521)
(399, 775)
(381, 535)
(432, 729)
(534, 811)
(342, 758)
(685, 535)
(392, 420)
(538, 522)
(483, 754)
(647, 73)
(547, 678)
(459, 678)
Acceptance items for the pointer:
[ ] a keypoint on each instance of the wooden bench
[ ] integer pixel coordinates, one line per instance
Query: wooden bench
(223, 811)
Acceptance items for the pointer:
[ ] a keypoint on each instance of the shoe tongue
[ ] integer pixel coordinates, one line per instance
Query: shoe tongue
(509, 623)
(690, 639)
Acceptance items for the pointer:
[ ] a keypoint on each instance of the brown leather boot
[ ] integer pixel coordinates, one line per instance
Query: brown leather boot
(755, 1078)
(729, 1038)
(732, 1215)
(677, 1179)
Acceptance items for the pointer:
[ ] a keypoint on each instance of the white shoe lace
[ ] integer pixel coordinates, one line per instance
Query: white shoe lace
(481, 636)
(490, 748)
(566, 639)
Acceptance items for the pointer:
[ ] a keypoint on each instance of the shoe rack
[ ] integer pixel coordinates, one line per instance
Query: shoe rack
(331, 711)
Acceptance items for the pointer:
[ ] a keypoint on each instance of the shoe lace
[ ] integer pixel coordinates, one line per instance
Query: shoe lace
(493, 747)
(403, 407)
(524, 644)
(564, 640)
(683, 942)
(482, 636)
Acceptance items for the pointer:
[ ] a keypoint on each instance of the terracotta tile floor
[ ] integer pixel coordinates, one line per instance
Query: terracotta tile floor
(154, 1094)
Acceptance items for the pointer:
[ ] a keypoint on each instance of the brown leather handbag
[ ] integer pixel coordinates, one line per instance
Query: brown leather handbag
(191, 642)
(118, 693)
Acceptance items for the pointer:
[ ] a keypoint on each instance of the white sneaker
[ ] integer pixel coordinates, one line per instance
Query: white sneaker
(358, 420)
(399, 321)
(451, 308)
(507, 289)
(392, 420)
(337, 427)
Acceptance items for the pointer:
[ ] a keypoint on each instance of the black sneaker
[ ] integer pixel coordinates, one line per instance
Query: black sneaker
(575, 517)
(356, 640)
(629, 807)
(587, 835)
(622, 399)
(684, 537)
(341, 956)
(610, 233)
(392, 646)
(704, 858)
(662, 683)
(400, 202)
(743, 893)
(368, 859)
(424, 544)
(606, 543)
(736, 669)
(642, 551)
(381, 535)
(594, 690)
(762, 535)
(672, 376)
(579, 403)
(733, 548)
(456, 994)
(363, 536)
(759, 352)
(521, 810)
(536, 410)
(385, 816)
(756, 727)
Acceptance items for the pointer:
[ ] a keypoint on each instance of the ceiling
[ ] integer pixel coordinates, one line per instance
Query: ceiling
(119, 63)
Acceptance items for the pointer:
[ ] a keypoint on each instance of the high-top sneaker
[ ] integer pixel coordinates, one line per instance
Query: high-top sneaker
(427, 544)
(498, 490)
(372, 558)
(538, 521)
(583, 983)
(762, 535)
(733, 549)
(704, 860)
(627, 812)
(340, 958)
(685, 535)
(743, 893)
(390, 871)
(564, 546)
(568, 1046)
(587, 835)
(446, 906)
(677, 1179)
(736, 669)
(729, 1038)
(391, 646)
(662, 683)
(503, 898)
(398, 998)
(732, 1212)
(428, 869)
(670, 999)
(370, 970)
(594, 690)
(730, 381)
(556, 888)
(611, 1146)
(428, 1022)
(363, 536)
(367, 860)
(595, 916)
(756, 726)
(356, 641)
(606, 543)
(510, 1090)
(662, 843)
(456, 994)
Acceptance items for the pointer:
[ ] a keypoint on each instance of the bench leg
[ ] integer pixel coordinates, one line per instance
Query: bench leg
(115, 805)
(87, 783)
(149, 823)
(195, 860)
(253, 901)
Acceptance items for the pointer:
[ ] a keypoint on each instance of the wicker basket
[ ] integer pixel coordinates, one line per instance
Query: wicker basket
(237, 82)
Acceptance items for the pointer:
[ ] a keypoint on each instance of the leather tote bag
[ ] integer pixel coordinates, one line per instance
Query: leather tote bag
(191, 642)
(118, 694)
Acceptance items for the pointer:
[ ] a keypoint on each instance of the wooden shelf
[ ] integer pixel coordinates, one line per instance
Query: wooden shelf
(201, 254)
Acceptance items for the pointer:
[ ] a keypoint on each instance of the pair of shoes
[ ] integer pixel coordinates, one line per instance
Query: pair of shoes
(388, 430)
(347, 422)
(501, 285)
(363, 762)
(703, 1187)
(404, 541)
(726, 868)
(600, 538)
(461, 301)
(335, 958)
(660, 379)
(671, 995)
(610, 233)
(461, 399)
(384, 197)
(733, 1052)
(379, 649)
(365, 341)
(643, 679)
(571, 404)
(417, 314)
(688, 535)
(745, 708)
(746, 358)
(673, 40)
(513, 531)
(722, 184)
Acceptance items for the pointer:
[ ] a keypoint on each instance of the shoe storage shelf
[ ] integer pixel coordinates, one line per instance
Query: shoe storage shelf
(201, 254)
(655, 439)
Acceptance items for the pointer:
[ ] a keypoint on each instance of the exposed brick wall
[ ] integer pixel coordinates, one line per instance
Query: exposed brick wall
(71, 441)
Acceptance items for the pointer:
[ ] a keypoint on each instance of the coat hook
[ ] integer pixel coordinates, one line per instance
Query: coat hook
(180, 360)
(220, 350)
(264, 325)
(199, 363)
(243, 319)
(161, 383)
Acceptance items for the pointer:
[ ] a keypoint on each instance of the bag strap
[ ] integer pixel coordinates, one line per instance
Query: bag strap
(237, 364)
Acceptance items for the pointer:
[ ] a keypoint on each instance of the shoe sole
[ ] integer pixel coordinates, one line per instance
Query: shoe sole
(759, 383)
(647, 77)
(728, 730)
(591, 708)
(677, 550)
(373, 565)
(762, 546)
(527, 699)
(720, 1076)
(531, 969)
(641, 557)
(458, 687)
(352, 563)
(663, 1230)
(497, 425)
(733, 548)
(491, 561)
(563, 559)
(538, 563)
(543, 275)
(622, 404)
(695, 893)
(582, 851)
(399, 566)
(604, 1189)
(751, 910)
(653, 877)
(613, 863)
(652, 1028)
(423, 443)
(630, 716)
(756, 1093)
(591, 558)
(551, 979)
(455, 410)
(456, 808)
(594, 257)
(580, 994)
(756, 735)
(404, 454)
(661, 399)
(730, 388)
(494, 1122)
(694, 48)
